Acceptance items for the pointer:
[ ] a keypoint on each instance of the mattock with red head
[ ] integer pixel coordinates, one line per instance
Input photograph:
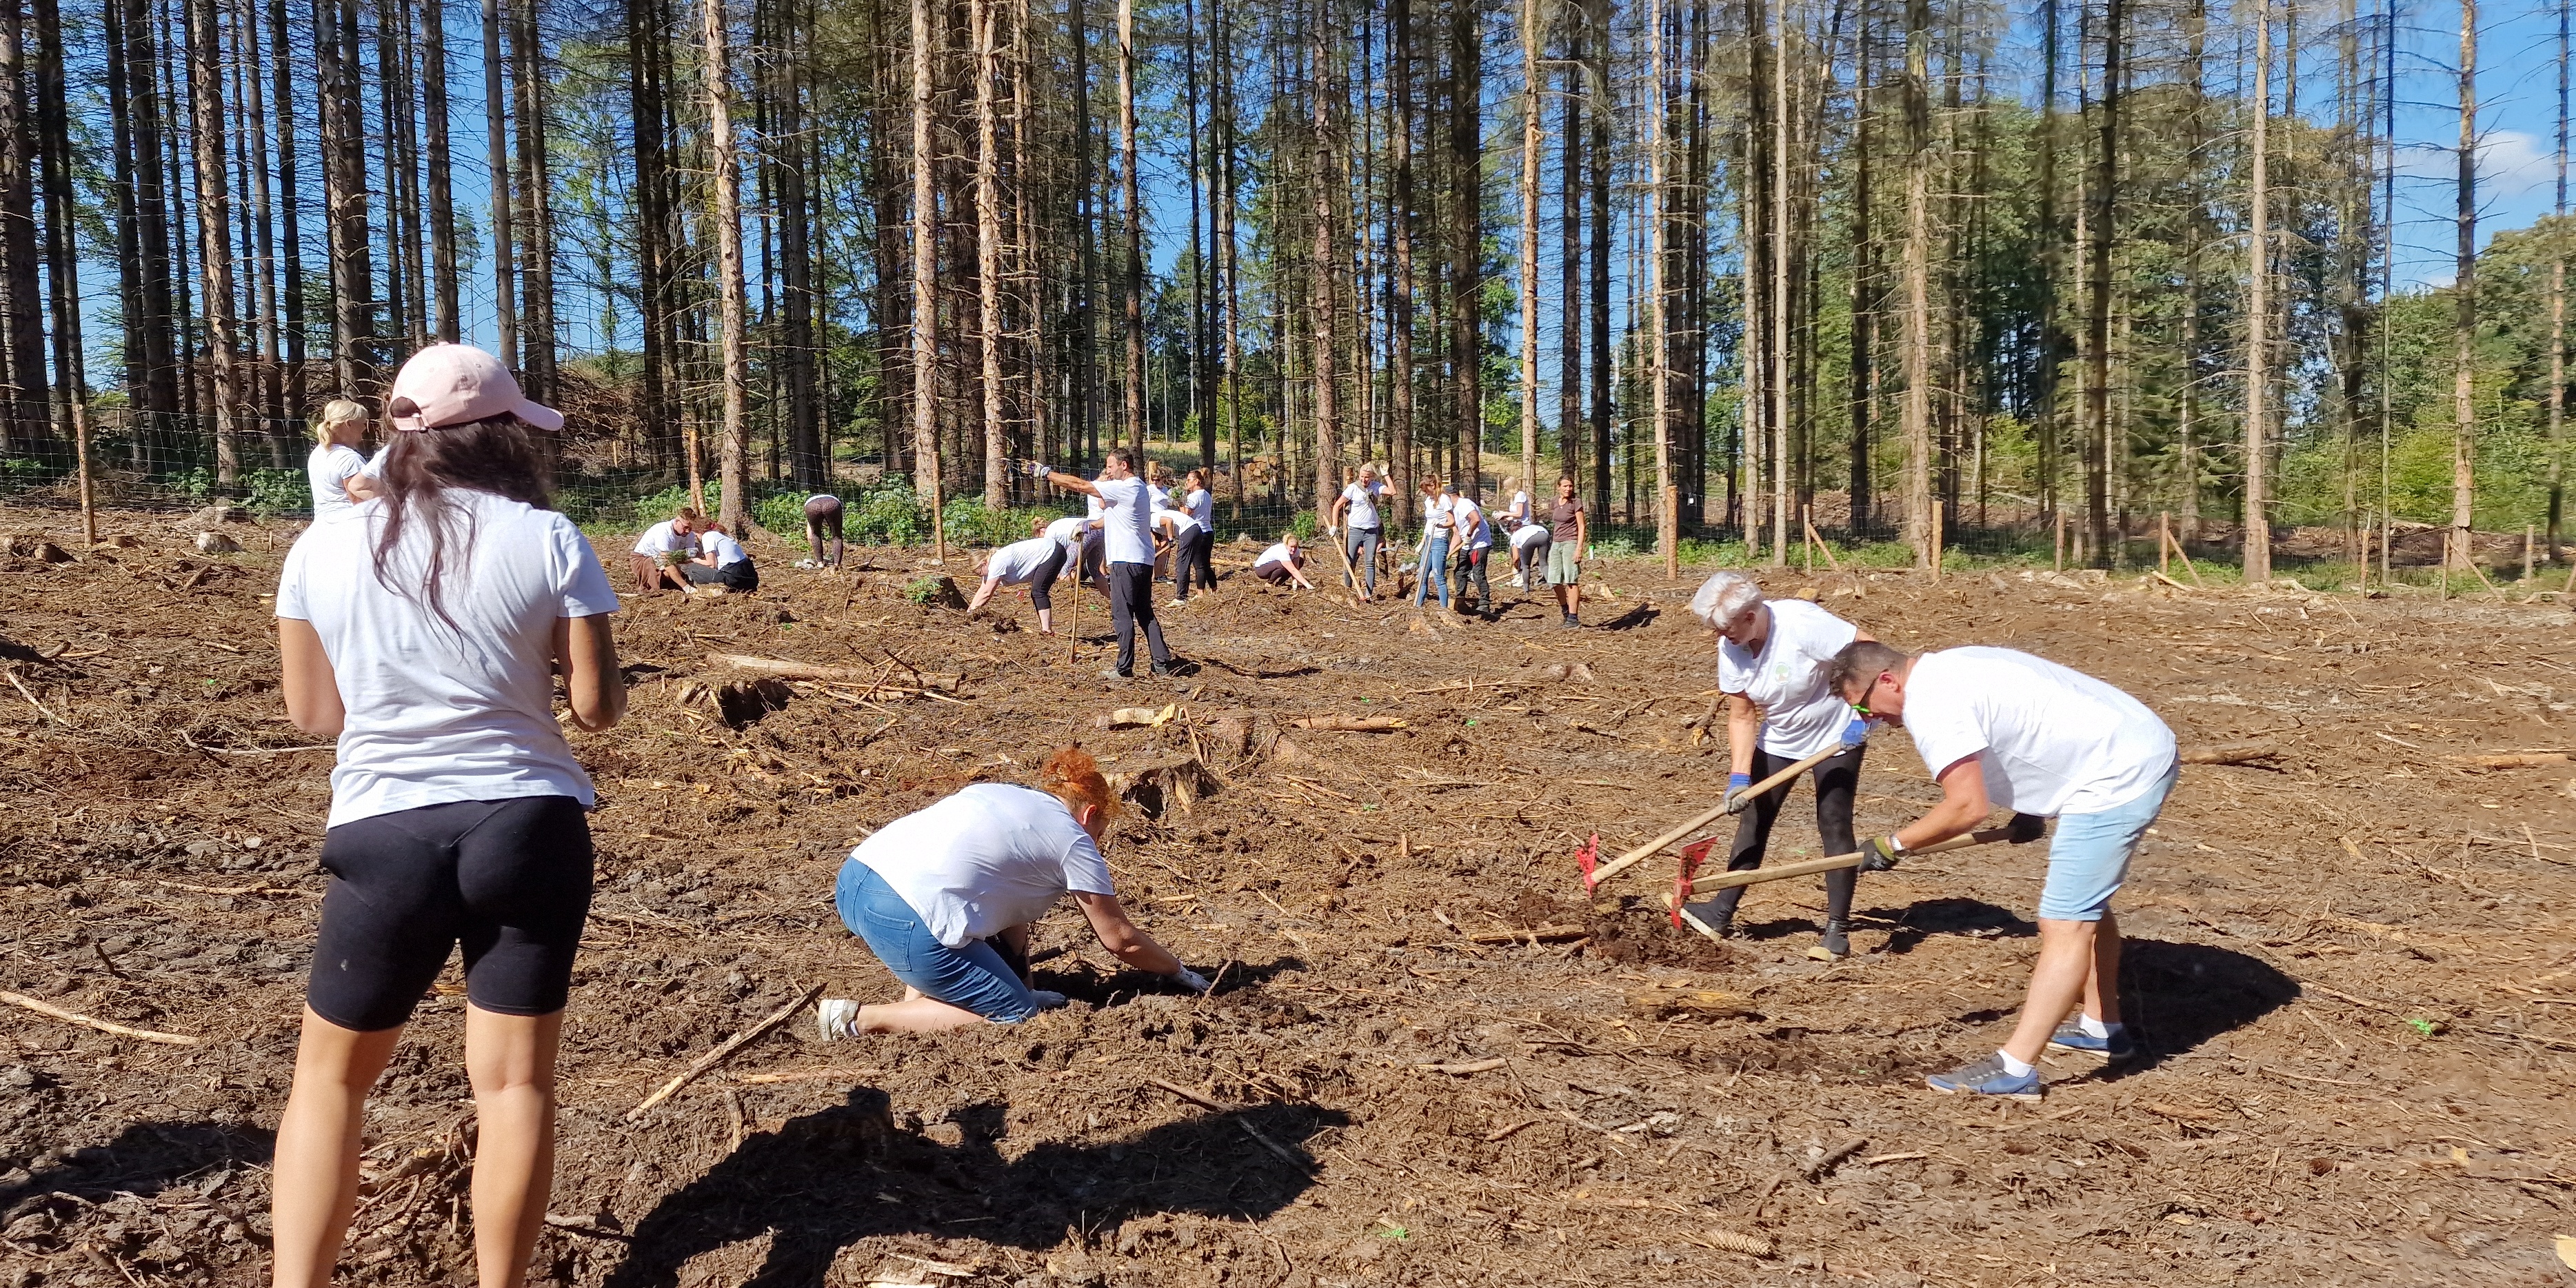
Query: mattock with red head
(1587, 856)
(1693, 855)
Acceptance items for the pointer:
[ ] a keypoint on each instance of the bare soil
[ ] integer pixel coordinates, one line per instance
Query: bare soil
(2352, 962)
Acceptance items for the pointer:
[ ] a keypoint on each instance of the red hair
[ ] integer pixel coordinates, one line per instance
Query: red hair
(1073, 777)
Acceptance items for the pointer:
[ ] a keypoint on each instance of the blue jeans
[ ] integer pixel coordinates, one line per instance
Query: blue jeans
(973, 977)
(2089, 856)
(1435, 566)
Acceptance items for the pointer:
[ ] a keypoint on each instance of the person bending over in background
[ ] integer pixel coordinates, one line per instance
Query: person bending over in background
(1200, 505)
(1034, 563)
(337, 471)
(2000, 728)
(722, 562)
(823, 529)
(1283, 564)
(457, 804)
(1771, 663)
(1188, 544)
(1529, 555)
(1474, 542)
(664, 549)
(932, 891)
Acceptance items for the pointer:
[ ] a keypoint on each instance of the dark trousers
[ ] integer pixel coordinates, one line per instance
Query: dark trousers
(1837, 780)
(822, 526)
(1131, 604)
(1472, 566)
(1197, 555)
(1042, 586)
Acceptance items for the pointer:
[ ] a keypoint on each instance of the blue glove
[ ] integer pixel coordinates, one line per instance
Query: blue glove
(1735, 799)
(1856, 733)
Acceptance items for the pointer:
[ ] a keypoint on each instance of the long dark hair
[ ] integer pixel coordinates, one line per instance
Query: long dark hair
(499, 455)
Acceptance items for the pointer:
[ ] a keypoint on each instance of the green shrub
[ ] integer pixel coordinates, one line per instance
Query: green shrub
(922, 591)
(783, 513)
(274, 492)
(1303, 524)
(883, 515)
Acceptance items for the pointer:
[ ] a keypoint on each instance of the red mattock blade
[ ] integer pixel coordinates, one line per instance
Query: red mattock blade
(1587, 857)
(1692, 857)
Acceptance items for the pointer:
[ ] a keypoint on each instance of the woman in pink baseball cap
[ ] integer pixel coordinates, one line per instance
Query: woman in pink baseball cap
(424, 632)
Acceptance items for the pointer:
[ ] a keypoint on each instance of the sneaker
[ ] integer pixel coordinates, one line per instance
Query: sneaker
(1516, 583)
(1047, 999)
(1987, 1078)
(1114, 673)
(1834, 944)
(2071, 1036)
(1569, 623)
(1166, 668)
(1178, 603)
(836, 1019)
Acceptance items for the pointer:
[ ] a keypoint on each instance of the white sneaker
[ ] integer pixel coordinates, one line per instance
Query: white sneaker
(1048, 999)
(836, 1019)
(1516, 582)
(1178, 603)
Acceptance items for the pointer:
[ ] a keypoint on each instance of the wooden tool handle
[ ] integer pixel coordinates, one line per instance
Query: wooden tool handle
(1756, 876)
(1651, 848)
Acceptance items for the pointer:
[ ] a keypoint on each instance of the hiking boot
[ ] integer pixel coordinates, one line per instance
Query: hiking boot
(1114, 673)
(1834, 944)
(1569, 623)
(1047, 999)
(1988, 1077)
(836, 1019)
(2115, 1048)
(1162, 669)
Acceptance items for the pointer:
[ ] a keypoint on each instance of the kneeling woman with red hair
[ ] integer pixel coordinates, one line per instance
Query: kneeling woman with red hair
(931, 891)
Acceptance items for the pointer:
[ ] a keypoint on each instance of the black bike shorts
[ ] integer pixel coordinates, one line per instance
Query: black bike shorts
(508, 879)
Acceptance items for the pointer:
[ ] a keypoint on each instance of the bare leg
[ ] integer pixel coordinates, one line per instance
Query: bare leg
(510, 1059)
(315, 1185)
(915, 1014)
(1046, 621)
(2102, 987)
(2067, 962)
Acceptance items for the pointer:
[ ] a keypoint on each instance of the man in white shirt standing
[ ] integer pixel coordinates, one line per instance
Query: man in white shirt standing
(1127, 551)
(1359, 501)
(655, 566)
(2001, 728)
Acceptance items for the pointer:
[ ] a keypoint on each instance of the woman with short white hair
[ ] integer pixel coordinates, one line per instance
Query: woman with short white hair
(1772, 660)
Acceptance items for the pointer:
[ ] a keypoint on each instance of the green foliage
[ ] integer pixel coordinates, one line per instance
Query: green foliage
(274, 492)
(783, 513)
(968, 523)
(1303, 524)
(921, 590)
(883, 515)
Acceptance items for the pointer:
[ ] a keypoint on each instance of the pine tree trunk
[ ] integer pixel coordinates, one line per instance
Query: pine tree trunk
(22, 308)
(1131, 272)
(2256, 540)
(53, 131)
(1467, 238)
(734, 468)
(444, 321)
(496, 150)
(1776, 369)
(1597, 152)
(1569, 243)
(1917, 270)
(214, 225)
(401, 304)
(1865, 293)
(2097, 388)
(536, 230)
(1532, 37)
(925, 272)
(1319, 275)
(806, 460)
(2187, 429)
(2558, 303)
(1226, 249)
(988, 251)
(1400, 219)
(2464, 301)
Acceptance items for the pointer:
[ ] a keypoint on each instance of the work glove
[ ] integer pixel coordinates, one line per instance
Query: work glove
(1856, 733)
(1037, 470)
(1736, 800)
(1191, 980)
(2025, 828)
(1878, 853)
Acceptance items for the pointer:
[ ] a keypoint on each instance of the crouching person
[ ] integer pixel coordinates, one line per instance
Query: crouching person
(932, 892)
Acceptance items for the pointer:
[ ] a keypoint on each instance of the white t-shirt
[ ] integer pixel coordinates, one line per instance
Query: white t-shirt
(1162, 495)
(1202, 507)
(1017, 564)
(1528, 535)
(1126, 522)
(1363, 498)
(1439, 517)
(1801, 714)
(330, 467)
(1068, 530)
(991, 857)
(1177, 523)
(664, 537)
(1470, 518)
(440, 713)
(727, 551)
(1279, 554)
(1520, 507)
(2053, 740)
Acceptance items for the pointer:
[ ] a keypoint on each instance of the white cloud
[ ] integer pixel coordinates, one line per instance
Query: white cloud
(2510, 164)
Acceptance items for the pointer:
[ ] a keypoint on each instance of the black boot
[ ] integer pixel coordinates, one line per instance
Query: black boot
(1717, 912)
(1834, 944)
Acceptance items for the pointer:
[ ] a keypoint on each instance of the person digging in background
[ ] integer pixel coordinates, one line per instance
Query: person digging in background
(1439, 525)
(336, 470)
(1529, 555)
(1127, 552)
(722, 562)
(2000, 728)
(1571, 535)
(933, 893)
(1035, 564)
(1771, 664)
(1475, 540)
(823, 530)
(1197, 502)
(1358, 502)
(423, 630)
(1177, 532)
(664, 549)
(1283, 564)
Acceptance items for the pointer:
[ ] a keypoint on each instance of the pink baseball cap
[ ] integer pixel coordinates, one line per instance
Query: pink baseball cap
(458, 384)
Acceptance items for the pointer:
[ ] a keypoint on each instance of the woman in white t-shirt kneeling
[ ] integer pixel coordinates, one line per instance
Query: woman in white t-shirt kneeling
(424, 631)
(722, 562)
(933, 890)
(1772, 663)
(1283, 564)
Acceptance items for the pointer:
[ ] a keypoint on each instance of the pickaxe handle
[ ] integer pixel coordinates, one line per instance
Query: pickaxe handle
(1756, 876)
(1651, 848)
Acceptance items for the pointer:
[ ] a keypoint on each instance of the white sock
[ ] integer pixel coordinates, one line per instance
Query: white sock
(2012, 1066)
(2094, 1028)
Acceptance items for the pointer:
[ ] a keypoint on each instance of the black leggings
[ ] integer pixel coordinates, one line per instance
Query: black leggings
(1196, 555)
(1041, 591)
(1837, 780)
(822, 524)
(509, 879)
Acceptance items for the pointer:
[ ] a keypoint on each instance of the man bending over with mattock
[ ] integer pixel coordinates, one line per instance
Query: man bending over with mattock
(2000, 728)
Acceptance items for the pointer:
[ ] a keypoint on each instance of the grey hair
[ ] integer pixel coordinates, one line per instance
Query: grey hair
(1724, 595)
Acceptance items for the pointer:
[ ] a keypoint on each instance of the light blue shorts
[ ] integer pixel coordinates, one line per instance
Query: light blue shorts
(973, 977)
(2089, 856)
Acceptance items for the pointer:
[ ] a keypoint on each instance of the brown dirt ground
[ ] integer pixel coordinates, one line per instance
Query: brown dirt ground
(2353, 967)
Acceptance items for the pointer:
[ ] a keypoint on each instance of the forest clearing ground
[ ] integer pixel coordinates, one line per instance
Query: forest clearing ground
(2352, 962)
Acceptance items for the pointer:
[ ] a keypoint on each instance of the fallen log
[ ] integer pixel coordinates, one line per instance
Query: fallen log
(1660, 1003)
(1350, 724)
(2233, 753)
(1543, 934)
(2510, 760)
(103, 1026)
(787, 669)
